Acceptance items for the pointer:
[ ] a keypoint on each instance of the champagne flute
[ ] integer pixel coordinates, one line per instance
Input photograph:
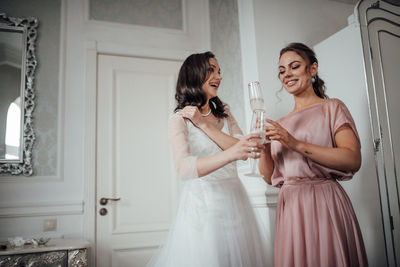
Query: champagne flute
(257, 126)
(255, 96)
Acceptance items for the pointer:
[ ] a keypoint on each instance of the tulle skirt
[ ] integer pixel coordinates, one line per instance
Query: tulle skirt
(215, 226)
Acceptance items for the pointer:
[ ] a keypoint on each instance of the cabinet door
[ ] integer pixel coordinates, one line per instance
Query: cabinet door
(44, 259)
(77, 258)
(385, 44)
(380, 27)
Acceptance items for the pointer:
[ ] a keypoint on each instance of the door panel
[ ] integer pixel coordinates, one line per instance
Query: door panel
(135, 100)
(385, 43)
(390, 58)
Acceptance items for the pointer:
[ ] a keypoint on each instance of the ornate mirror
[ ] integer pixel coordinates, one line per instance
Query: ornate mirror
(17, 75)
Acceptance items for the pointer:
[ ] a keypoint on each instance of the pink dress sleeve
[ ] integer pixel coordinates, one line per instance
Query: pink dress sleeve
(185, 163)
(317, 125)
(340, 116)
(234, 128)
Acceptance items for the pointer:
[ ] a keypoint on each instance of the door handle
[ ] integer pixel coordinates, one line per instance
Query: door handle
(104, 200)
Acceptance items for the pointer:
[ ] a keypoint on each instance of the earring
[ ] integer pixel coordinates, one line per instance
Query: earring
(313, 79)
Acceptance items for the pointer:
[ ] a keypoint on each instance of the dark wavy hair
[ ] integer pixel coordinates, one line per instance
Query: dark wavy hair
(309, 56)
(192, 75)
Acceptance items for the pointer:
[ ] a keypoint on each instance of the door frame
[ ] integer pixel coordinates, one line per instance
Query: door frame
(365, 21)
(90, 142)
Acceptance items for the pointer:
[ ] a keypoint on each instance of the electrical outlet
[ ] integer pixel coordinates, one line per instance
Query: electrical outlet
(50, 225)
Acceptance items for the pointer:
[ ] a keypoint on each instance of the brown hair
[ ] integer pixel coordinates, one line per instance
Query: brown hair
(192, 75)
(308, 55)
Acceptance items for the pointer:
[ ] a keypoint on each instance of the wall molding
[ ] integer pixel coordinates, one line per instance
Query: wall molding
(194, 37)
(129, 26)
(248, 51)
(110, 48)
(89, 157)
(48, 208)
(265, 199)
(261, 195)
(272, 195)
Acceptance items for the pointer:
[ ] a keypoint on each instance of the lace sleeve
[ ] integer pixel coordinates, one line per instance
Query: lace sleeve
(234, 128)
(185, 163)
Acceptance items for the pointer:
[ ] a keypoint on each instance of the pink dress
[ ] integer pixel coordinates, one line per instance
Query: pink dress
(315, 221)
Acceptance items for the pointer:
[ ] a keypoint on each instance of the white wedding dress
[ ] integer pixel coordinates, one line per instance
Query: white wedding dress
(215, 225)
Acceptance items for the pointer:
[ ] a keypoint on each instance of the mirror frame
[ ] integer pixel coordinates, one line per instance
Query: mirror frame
(29, 26)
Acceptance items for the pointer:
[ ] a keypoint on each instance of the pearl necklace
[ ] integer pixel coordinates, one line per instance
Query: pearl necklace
(205, 115)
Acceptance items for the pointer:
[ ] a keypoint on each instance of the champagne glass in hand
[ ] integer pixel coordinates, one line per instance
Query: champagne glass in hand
(255, 96)
(257, 126)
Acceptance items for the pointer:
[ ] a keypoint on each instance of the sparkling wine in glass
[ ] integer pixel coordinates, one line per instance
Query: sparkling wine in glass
(256, 97)
(257, 126)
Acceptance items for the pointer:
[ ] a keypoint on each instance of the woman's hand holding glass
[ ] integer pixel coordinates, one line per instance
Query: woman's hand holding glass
(247, 147)
(257, 127)
(277, 133)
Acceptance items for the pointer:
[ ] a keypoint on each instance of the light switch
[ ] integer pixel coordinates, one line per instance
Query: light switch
(50, 225)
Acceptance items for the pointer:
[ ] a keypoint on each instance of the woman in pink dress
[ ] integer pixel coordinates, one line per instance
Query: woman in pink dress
(313, 146)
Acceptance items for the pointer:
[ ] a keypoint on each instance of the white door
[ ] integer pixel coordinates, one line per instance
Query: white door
(135, 100)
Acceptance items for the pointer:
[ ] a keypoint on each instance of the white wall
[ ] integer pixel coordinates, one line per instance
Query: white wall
(53, 192)
(262, 195)
(279, 22)
(48, 83)
(225, 44)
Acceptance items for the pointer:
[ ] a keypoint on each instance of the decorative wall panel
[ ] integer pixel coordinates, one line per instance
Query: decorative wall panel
(153, 13)
(225, 43)
(44, 156)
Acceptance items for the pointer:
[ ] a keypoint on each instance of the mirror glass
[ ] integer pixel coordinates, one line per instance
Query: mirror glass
(17, 74)
(12, 83)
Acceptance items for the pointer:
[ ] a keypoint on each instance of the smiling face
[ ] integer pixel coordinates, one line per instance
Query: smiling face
(213, 80)
(295, 74)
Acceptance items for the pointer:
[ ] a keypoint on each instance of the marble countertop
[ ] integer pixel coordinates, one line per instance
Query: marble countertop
(52, 245)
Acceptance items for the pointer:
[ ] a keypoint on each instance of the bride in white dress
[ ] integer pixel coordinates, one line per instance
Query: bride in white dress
(215, 224)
